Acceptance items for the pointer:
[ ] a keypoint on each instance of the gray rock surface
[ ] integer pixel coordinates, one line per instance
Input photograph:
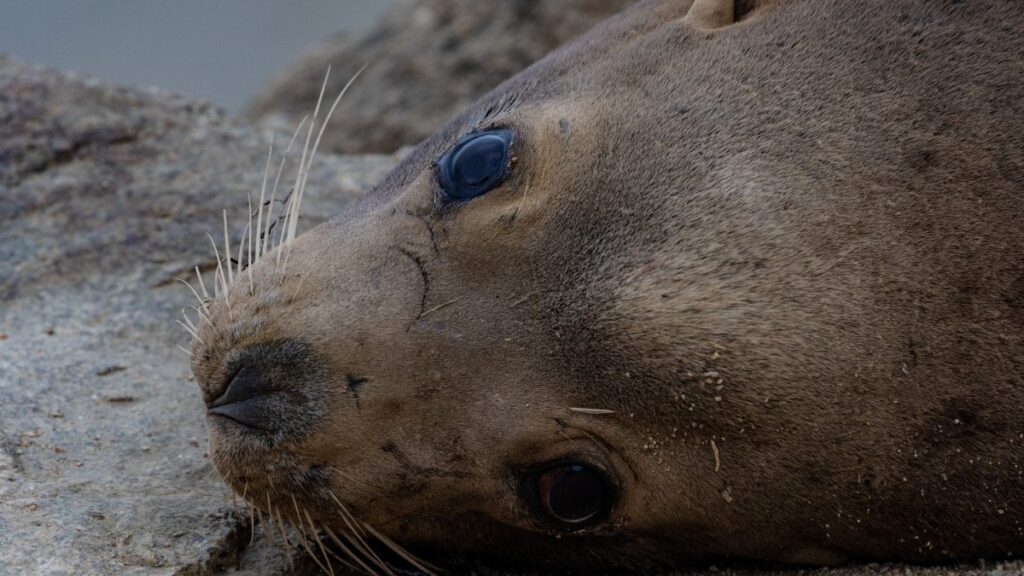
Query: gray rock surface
(425, 61)
(105, 196)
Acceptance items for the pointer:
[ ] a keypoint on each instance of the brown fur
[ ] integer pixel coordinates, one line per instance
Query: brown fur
(786, 251)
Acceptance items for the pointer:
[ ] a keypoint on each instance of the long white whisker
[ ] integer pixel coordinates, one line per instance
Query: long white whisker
(249, 230)
(189, 321)
(358, 542)
(302, 533)
(187, 329)
(202, 285)
(306, 163)
(263, 191)
(296, 190)
(277, 179)
(194, 293)
(327, 118)
(417, 563)
(227, 250)
(217, 274)
(248, 269)
(319, 542)
(202, 314)
(348, 551)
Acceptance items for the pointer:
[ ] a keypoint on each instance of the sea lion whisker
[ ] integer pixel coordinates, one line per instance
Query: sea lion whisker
(234, 502)
(281, 527)
(188, 321)
(591, 411)
(354, 528)
(319, 541)
(302, 536)
(419, 564)
(189, 330)
(270, 513)
(297, 186)
(186, 324)
(202, 315)
(357, 567)
(439, 307)
(346, 476)
(227, 251)
(193, 290)
(346, 563)
(306, 160)
(182, 348)
(248, 267)
(249, 508)
(304, 169)
(301, 531)
(259, 522)
(263, 191)
(352, 554)
(202, 286)
(249, 231)
(219, 273)
(349, 518)
(330, 113)
(284, 534)
(277, 181)
(285, 218)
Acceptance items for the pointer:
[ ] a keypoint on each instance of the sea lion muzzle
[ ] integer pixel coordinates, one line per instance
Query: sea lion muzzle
(270, 388)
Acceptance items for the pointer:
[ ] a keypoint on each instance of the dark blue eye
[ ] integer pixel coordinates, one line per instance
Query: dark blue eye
(475, 164)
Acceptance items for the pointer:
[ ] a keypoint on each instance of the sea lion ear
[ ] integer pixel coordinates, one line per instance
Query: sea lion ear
(711, 14)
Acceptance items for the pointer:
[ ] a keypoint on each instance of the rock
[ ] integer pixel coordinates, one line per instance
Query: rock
(425, 61)
(105, 196)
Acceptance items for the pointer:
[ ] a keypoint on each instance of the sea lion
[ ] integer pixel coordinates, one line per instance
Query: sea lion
(720, 279)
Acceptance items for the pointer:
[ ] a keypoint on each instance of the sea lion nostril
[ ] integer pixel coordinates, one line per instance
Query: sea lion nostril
(276, 386)
(247, 383)
(247, 399)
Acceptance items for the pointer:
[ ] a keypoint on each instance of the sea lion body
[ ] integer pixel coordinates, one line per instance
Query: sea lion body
(761, 264)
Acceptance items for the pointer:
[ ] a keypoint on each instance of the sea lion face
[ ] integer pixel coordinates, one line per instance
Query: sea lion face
(406, 362)
(608, 317)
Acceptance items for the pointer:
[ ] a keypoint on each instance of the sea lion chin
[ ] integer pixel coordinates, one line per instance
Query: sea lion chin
(718, 280)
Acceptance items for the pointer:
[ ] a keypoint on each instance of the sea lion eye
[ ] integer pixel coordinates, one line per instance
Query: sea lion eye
(475, 164)
(572, 495)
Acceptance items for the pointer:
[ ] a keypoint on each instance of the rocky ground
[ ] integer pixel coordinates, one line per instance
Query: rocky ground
(105, 196)
(425, 61)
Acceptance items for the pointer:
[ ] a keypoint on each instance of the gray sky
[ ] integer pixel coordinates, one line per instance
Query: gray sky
(219, 50)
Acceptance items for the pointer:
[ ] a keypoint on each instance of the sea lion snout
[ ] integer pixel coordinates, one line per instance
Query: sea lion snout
(262, 393)
(274, 388)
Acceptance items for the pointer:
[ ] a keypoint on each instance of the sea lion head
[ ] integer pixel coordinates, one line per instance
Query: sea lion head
(618, 314)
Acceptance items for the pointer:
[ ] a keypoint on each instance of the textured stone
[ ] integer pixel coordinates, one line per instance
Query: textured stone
(425, 61)
(105, 196)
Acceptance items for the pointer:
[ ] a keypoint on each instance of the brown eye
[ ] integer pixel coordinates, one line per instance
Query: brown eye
(574, 495)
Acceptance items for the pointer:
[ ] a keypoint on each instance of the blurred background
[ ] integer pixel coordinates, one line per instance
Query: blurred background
(264, 60)
(221, 50)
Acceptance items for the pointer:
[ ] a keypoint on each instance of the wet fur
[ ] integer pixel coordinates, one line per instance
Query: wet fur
(785, 251)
